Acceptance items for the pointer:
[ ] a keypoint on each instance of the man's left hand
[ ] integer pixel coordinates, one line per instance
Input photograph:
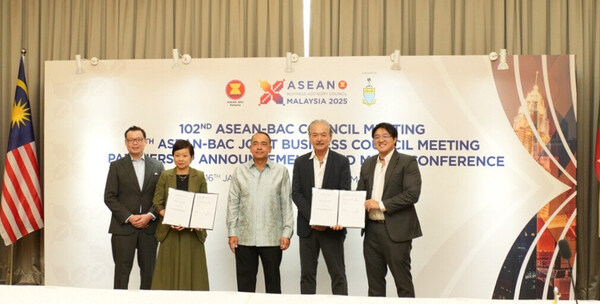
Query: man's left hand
(142, 221)
(284, 243)
(371, 205)
(318, 228)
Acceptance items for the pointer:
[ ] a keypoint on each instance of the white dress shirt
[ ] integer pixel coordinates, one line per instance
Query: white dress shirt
(319, 168)
(378, 184)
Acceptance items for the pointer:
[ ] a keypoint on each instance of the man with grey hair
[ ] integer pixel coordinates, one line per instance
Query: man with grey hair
(325, 169)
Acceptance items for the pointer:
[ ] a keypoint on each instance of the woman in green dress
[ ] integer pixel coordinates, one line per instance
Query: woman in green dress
(181, 260)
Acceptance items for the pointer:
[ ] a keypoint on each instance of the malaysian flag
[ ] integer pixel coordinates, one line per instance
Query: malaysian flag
(21, 206)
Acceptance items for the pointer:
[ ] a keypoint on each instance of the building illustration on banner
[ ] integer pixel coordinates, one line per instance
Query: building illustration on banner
(533, 267)
(535, 109)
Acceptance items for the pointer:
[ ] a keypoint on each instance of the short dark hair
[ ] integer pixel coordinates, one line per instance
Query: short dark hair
(388, 127)
(263, 133)
(135, 128)
(182, 144)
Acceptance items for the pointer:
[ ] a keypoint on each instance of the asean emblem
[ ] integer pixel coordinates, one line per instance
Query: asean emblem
(235, 89)
(369, 94)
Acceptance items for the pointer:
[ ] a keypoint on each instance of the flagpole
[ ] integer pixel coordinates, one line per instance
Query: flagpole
(11, 264)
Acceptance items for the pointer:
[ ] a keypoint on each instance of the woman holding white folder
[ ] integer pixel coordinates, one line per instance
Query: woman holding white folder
(181, 261)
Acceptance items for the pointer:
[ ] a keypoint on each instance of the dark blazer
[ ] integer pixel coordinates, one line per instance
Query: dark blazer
(336, 176)
(124, 197)
(168, 179)
(401, 191)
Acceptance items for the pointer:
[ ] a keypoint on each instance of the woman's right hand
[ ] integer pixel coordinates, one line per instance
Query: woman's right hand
(178, 228)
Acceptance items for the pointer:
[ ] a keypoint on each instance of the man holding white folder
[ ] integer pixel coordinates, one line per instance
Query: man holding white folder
(326, 169)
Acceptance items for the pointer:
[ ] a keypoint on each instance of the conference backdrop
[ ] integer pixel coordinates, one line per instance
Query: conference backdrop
(496, 150)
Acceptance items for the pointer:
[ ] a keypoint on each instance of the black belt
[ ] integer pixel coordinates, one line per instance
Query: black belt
(377, 221)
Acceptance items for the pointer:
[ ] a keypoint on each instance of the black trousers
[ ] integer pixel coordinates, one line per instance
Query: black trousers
(381, 252)
(333, 253)
(246, 265)
(123, 250)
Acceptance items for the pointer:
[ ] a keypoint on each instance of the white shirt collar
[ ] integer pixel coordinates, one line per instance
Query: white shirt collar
(141, 158)
(313, 155)
(387, 157)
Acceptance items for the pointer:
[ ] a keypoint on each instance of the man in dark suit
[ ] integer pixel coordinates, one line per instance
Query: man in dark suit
(393, 184)
(128, 194)
(325, 169)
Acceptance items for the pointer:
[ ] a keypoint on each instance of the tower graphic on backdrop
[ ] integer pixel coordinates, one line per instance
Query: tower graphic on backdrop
(536, 110)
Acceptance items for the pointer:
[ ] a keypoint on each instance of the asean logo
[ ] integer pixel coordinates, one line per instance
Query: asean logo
(271, 92)
(235, 89)
(369, 94)
(342, 84)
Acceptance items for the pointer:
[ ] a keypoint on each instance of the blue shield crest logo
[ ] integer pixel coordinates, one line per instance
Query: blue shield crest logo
(369, 94)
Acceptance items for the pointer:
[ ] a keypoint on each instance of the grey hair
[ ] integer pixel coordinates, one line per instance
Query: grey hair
(323, 121)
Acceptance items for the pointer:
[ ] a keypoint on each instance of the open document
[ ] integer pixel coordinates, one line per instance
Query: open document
(338, 207)
(191, 210)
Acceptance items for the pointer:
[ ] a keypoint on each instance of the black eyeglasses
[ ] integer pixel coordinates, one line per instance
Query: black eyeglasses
(135, 140)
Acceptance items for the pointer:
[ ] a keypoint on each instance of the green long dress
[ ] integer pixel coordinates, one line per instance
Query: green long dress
(181, 260)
